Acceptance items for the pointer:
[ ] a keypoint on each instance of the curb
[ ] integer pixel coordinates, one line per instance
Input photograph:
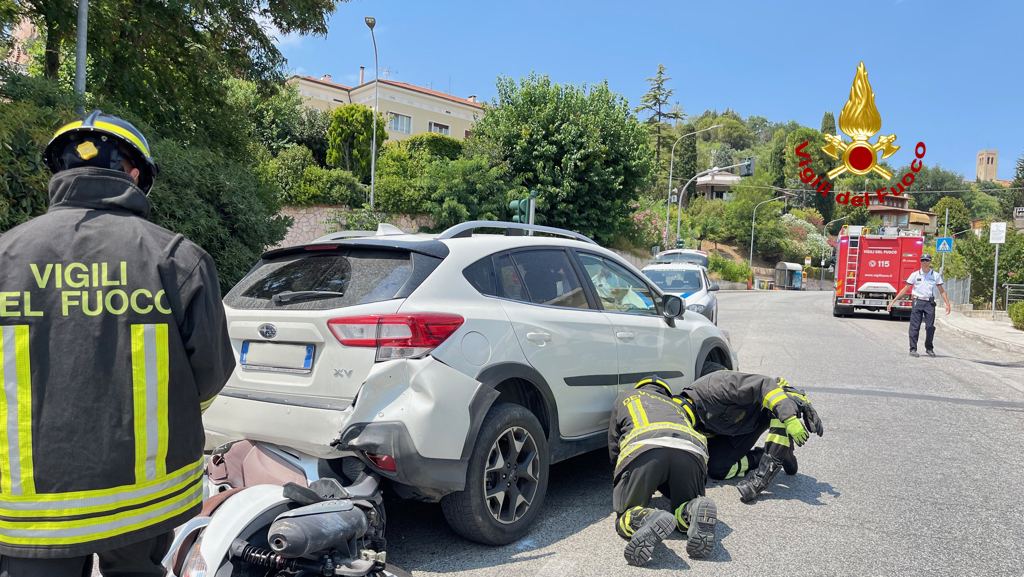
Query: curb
(991, 341)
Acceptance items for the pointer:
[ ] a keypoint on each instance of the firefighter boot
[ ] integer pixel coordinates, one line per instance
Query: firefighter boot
(759, 479)
(645, 528)
(698, 519)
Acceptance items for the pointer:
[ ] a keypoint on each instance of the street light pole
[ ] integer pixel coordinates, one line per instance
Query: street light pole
(371, 22)
(679, 207)
(825, 230)
(80, 52)
(671, 166)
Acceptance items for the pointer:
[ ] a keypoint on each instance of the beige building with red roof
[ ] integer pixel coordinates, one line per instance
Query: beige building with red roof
(409, 109)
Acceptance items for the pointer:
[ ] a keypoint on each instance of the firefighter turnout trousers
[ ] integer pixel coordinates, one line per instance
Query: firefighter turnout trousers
(731, 457)
(679, 475)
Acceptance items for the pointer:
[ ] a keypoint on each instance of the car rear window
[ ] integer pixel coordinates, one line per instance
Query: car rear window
(331, 279)
(683, 257)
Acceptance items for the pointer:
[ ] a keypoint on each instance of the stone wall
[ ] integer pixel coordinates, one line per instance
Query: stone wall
(312, 222)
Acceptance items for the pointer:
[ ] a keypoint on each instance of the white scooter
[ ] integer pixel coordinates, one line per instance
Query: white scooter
(273, 511)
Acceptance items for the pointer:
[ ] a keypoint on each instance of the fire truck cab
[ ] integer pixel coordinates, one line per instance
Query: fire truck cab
(872, 267)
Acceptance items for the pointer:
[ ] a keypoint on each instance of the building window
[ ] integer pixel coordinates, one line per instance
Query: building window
(439, 128)
(400, 123)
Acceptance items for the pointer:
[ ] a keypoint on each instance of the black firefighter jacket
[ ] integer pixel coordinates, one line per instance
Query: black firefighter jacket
(645, 413)
(112, 339)
(731, 403)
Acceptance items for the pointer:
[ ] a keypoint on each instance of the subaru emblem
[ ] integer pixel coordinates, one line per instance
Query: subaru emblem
(267, 331)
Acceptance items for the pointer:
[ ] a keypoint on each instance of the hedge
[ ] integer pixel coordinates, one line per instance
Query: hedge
(1016, 312)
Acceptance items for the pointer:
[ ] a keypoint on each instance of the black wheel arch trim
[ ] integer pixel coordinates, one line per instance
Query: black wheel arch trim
(709, 345)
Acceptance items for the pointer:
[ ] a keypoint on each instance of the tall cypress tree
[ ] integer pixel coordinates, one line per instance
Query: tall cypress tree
(828, 124)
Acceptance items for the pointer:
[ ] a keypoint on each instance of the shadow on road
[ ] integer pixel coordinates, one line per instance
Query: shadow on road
(579, 495)
(799, 487)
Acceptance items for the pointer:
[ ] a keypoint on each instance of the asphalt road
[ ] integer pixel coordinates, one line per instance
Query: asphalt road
(920, 471)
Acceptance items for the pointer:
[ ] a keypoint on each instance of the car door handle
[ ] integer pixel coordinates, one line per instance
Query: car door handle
(625, 335)
(539, 338)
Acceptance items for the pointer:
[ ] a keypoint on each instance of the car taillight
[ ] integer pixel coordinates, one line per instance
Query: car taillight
(383, 462)
(396, 336)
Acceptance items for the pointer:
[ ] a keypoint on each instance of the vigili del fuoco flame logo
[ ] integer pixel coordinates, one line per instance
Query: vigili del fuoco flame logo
(860, 120)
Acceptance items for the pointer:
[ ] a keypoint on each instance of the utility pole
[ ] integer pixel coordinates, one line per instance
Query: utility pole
(945, 232)
(671, 167)
(80, 52)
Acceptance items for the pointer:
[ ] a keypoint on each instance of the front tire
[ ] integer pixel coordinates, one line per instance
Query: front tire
(506, 480)
(711, 366)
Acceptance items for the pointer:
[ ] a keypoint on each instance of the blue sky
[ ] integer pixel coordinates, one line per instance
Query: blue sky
(948, 73)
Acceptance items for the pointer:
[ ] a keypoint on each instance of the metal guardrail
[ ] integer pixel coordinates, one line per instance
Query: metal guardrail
(1014, 294)
(959, 290)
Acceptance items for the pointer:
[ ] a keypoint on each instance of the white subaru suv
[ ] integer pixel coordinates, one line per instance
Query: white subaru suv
(459, 366)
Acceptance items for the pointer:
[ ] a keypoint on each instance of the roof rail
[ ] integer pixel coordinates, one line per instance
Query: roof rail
(466, 229)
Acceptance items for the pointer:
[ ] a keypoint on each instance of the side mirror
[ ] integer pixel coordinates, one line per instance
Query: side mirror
(714, 287)
(672, 307)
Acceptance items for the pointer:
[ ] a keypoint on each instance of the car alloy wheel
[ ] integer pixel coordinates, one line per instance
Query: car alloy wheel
(511, 475)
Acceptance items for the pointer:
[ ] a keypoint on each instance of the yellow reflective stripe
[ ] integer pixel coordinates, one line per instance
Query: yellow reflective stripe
(139, 397)
(16, 411)
(206, 404)
(661, 426)
(744, 465)
(632, 413)
(732, 471)
(69, 509)
(627, 452)
(149, 392)
(776, 424)
(112, 526)
(112, 495)
(5, 457)
(681, 515)
(777, 439)
(773, 398)
(689, 413)
(24, 370)
(125, 133)
(643, 382)
(161, 403)
(642, 412)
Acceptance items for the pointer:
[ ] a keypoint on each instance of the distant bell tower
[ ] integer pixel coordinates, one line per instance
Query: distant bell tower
(988, 165)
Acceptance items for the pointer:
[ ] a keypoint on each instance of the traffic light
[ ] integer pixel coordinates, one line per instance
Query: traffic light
(748, 168)
(520, 210)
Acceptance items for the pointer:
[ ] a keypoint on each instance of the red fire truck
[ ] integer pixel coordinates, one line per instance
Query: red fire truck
(871, 268)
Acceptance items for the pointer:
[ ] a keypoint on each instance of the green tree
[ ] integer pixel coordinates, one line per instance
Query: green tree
(311, 132)
(435, 145)
(810, 215)
(931, 178)
(959, 216)
(979, 257)
(464, 189)
(270, 117)
(166, 62)
(1014, 197)
(303, 182)
(828, 124)
(655, 102)
(581, 148)
(350, 138)
(777, 159)
(819, 165)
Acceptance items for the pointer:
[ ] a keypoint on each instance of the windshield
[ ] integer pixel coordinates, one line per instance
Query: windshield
(690, 257)
(675, 281)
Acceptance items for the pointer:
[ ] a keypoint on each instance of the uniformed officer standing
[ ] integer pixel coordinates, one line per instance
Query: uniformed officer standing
(112, 341)
(654, 447)
(924, 284)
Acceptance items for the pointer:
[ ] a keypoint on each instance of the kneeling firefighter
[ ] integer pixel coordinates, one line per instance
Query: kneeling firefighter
(654, 447)
(735, 408)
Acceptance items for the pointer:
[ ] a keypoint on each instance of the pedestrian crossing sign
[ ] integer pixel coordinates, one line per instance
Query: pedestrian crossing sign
(944, 244)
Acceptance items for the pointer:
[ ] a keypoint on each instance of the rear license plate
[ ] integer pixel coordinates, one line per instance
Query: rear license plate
(278, 357)
(875, 302)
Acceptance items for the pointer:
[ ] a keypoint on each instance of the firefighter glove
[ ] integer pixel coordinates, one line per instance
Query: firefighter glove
(795, 429)
(811, 420)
